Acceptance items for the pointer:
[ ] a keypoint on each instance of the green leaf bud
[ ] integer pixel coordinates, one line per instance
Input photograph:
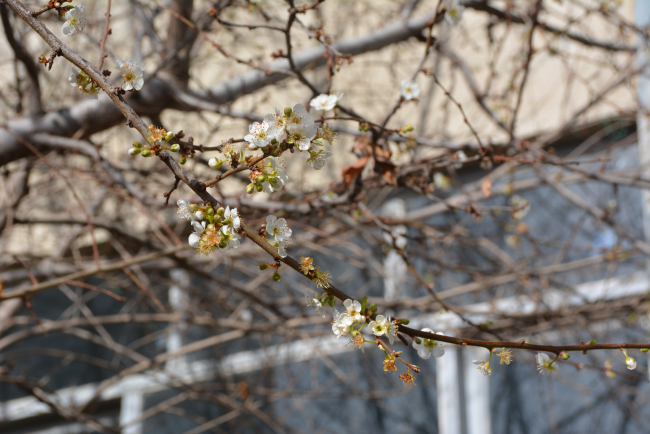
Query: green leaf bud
(644, 350)
(288, 111)
(276, 276)
(274, 153)
(259, 187)
(175, 147)
(373, 307)
(263, 266)
(418, 341)
(404, 321)
(274, 141)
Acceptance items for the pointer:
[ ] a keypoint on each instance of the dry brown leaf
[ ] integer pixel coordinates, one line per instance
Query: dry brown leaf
(353, 170)
(486, 188)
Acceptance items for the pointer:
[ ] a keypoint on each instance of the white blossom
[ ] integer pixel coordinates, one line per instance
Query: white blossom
(317, 159)
(454, 12)
(199, 215)
(317, 305)
(132, 71)
(353, 308)
(183, 209)
(277, 227)
(459, 158)
(277, 123)
(325, 102)
(441, 181)
(259, 136)
(484, 367)
(282, 247)
(409, 89)
(80, 81)
(196, 236)
(75, 20)
(342, 324)
(230, 237)
(300, 116)
(630, 363)
(232, 214)
(429, 347)
(522, 205)
(383, 326)
(301, 135)
(545, 365)
(277, 178)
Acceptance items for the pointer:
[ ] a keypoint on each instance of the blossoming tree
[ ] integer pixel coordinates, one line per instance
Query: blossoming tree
(244, 212)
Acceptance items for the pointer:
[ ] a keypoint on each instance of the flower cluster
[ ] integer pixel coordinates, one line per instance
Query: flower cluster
(75, 20)
(212, 229)
(267, 176)
(83, 84)
(158, 140)
(132, 71)
(322, 279)
(278, 233)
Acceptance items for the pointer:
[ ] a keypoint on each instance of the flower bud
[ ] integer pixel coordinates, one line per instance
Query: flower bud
(418, 341)
(259, 187)
(198, 215)
(182, 160)
(223, 244)
(137, 144)
(134, 151)
(644, 350)
(565, 355)
(214, 163)
(146, 153)
(169, 136)
(288, 111)
(210, 210)
(408, 128)
(175, 147)
(404, 321)
(631, 363)
(263, 266)
(250, 188)
(210, 226)
(373, 307)
(276, 276)
(274, 142)
(274, 153)
(221, 211)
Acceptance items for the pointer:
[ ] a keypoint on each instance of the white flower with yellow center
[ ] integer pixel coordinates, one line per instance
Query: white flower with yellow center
(325, 102)
(353, 308)
(428, 347)
(75, 21)
(132, 71)
(484, 367)
(545, 365)
(342, 324)
(259, 136)
(317, 159)
(409, 89)
(454, 12)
